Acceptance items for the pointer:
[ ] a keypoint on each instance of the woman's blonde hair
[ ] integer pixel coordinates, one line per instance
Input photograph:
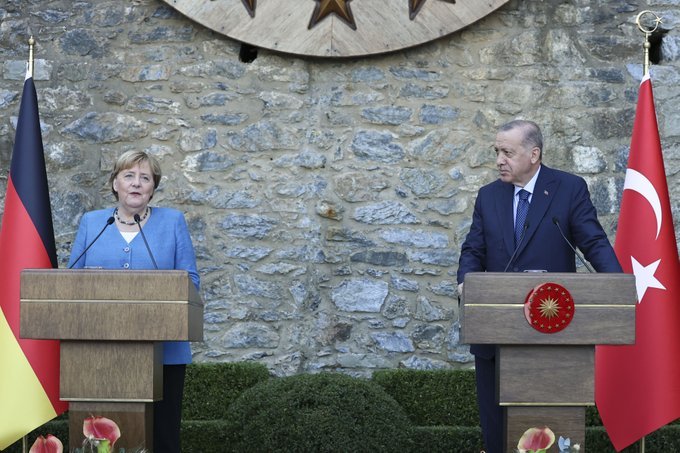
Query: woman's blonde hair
(131, 158)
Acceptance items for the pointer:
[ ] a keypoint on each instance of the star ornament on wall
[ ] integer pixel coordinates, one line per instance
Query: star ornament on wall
(415, 5)
(250, 6)
(340, 8)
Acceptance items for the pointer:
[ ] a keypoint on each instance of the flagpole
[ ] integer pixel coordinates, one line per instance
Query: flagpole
(647, 31)
(31, 43)
(645, 72)
(29, 73)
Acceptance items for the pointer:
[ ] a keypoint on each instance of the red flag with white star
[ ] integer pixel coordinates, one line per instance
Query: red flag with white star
(637, 387)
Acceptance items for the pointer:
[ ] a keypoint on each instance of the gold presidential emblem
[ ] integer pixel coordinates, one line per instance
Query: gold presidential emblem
(549, 308)
(335, 28)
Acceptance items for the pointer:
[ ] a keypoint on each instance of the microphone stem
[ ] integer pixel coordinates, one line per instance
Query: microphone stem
(521, 238)
(109, 221)
(148, 249)
(578, 255)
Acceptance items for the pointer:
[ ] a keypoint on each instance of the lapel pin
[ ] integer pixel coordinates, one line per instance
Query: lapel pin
(546, 193)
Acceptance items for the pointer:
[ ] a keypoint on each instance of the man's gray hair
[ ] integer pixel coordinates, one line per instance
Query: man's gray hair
(532, 133)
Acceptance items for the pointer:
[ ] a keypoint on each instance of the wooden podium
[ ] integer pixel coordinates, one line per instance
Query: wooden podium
(111, 325)
(546, 379)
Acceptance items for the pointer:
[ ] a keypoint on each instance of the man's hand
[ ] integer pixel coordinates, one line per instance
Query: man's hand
(460, 294)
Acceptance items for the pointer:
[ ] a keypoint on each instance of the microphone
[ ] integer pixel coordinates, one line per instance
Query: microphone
(109, 221)
(148, 249)
(521, 238)
(578, 255)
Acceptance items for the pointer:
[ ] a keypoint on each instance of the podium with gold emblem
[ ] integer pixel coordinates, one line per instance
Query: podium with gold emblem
(546, 326)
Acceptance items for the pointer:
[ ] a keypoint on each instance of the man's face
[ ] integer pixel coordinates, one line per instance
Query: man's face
(516, 163)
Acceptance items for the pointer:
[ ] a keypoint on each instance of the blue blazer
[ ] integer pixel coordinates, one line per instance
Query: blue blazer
(168, 237)
(557, 194)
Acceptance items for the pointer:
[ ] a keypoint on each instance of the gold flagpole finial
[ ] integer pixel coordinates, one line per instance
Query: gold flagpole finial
(647, 31)
(31, 43)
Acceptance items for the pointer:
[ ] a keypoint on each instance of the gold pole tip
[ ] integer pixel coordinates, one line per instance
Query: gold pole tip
(31, 41)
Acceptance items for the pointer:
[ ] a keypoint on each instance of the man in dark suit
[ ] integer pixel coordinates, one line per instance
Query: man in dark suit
(544, 200)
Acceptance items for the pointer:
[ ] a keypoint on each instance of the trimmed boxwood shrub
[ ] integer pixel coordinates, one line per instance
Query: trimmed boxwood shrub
(210, 388)
(446, 439)
(436, 397)
(203, 436)
(326, 412)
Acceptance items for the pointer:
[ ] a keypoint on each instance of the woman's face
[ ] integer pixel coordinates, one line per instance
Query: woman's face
(135, 188)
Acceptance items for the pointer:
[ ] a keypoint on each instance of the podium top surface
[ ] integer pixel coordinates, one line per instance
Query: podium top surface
(512, 287)
(115, 305)
(105, 284)
(493, 310)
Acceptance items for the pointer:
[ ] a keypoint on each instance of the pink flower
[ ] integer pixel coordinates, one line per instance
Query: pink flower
(47, 445)
(536, 440)
(101, 428)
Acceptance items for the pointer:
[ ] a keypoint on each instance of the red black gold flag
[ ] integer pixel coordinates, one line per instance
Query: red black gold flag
(29, 369)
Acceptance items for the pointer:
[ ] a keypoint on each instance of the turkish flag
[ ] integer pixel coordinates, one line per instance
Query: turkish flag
(637, 387)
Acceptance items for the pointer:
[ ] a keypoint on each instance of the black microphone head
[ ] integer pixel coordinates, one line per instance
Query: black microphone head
(526, 225)
(137, 218)
(110, 220)
(555, 221)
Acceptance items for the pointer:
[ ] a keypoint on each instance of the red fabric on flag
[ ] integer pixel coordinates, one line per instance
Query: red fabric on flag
(26, 241)
(20, 241)
(637, 387)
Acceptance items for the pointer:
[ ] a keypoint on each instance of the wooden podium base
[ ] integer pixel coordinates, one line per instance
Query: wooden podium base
(568, 422)
(111, 324)
(135, 421)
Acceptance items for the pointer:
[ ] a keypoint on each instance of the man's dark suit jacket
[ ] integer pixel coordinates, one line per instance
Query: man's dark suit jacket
(557, 194)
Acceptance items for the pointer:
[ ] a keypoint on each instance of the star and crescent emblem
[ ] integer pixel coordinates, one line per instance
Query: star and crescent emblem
(645, 275)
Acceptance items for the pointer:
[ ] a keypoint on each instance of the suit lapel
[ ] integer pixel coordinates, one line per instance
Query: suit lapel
(506, 219)
(544, 192)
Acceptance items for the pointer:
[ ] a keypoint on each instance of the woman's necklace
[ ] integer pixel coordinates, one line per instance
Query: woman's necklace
(146, 213)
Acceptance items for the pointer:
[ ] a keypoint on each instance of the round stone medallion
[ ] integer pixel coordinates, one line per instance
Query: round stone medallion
(335, 28)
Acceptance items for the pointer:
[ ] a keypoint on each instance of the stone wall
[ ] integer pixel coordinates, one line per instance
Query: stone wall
(328, 199)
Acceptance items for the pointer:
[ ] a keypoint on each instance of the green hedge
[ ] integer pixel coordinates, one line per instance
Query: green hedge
(433, 411)
(431, 398)
(204, 436)
(211, 387)
(446, 439)
(324, 412)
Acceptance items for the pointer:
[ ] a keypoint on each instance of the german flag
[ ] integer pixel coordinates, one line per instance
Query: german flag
(29, 369)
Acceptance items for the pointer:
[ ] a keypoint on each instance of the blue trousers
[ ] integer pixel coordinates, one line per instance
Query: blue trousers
(490, 413)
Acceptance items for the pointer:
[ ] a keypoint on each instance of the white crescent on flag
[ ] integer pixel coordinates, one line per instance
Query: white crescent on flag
(639, 183)
(644, 275)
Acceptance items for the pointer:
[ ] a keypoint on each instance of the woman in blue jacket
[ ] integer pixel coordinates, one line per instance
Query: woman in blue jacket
(134, 179)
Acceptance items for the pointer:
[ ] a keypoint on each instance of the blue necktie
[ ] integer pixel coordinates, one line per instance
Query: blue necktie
(521, 217)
